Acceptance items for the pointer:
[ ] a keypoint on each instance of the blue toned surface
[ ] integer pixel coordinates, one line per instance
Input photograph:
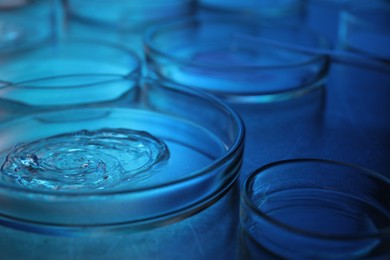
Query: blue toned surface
(346, 120)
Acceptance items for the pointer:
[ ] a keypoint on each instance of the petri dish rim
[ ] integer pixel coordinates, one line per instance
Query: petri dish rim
(188, 22)
(94, 80)
(230, 153)
(133, 67)
(32, 84)
(248, 182)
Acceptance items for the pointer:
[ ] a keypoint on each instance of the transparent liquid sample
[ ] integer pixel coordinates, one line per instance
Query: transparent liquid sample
(85, 160)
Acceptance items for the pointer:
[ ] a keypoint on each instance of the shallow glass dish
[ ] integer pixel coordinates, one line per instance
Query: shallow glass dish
(216, 55)
(151, 178)
(60, 92)
(315, 209)
(68, 57)
(365, 28)
(25, 23)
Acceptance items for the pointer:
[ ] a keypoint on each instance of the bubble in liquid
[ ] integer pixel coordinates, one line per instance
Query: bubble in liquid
(84, 160)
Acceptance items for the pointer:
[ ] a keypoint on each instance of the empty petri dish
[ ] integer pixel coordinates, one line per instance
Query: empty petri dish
(128, 14)
(116, 181)
(65, 91)
(25, 23)
(315, 209)
(365, 28)
(216, 55)
(68, 57)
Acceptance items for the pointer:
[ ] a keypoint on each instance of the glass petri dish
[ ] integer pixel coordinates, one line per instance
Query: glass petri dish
(66, 91)
(25, 23)
(216, 56)
(364, 28)
(110, 179)
(68, 57)
(128, 14)
(315, 209)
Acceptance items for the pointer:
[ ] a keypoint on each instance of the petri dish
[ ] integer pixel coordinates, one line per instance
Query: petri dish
(215, 55)
(315, 209)
(68, 57)
(113, 181)
(364, 28)
(25, 23)
(59, 92)
(128, 14)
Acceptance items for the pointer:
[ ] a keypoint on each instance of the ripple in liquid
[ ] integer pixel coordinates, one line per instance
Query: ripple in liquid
(84, 160)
